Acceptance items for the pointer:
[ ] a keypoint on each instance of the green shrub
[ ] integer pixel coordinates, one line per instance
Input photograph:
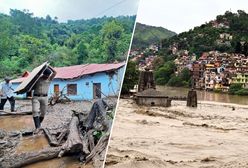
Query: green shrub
(242, 92)
(235, 87)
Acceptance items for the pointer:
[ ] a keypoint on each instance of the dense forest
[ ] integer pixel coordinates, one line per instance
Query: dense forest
(145, 35)
(207, 36)
(26, 41)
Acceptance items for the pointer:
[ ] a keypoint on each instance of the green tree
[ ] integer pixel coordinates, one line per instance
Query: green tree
(82, 52)
(163, 74)
(27, 41)
(185, 75)
(111, 34)
(131, 77)
(62, 57)
(238, 47)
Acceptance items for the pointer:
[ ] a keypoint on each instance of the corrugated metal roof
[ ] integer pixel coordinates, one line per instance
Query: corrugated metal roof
(76, 71)
(86, 69)
(31, 79)
(18, 80)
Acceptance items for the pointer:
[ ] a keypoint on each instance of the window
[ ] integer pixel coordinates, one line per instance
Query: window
(71, 89)
(56, 88)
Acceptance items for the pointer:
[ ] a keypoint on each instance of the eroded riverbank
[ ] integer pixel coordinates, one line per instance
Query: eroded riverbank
(212, 135)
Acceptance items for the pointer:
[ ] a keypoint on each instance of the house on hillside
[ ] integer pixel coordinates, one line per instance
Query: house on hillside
(84, 82)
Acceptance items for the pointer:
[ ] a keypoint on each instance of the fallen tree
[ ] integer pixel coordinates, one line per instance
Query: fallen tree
(20, 160)
(73, 143)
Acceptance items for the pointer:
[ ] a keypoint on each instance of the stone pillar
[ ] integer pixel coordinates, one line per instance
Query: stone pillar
(146, 80)
(192, 98)
(168, 102)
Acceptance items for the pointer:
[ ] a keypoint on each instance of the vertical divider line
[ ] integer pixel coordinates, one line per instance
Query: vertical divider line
(123, 76)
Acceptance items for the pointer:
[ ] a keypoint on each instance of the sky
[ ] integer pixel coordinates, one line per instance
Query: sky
(72, 9)
(182, 15)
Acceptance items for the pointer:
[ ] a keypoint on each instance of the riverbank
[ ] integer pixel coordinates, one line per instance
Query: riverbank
(204, 95)
(211, 135)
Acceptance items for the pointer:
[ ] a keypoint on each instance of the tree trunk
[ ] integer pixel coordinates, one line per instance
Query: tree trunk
(51, 139)
(100, 146)
(20, 160)
(73, 143)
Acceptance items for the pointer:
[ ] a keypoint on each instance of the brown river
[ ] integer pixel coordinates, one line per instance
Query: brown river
(205, 96)
(212, 135)
(221, 124)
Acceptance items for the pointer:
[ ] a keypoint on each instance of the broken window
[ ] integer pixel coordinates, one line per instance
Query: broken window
(71, 89)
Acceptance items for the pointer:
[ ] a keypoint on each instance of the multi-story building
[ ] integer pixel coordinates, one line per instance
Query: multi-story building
(198, 70)
(241, 78)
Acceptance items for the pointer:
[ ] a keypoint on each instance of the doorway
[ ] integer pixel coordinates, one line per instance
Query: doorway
(97, 90)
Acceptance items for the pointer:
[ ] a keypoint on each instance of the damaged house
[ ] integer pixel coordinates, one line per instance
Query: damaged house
(83, 82)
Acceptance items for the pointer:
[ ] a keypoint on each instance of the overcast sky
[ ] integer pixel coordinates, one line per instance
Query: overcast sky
(72, 9)
(182, 15)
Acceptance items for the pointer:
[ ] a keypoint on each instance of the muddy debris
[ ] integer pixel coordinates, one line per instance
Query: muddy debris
(78, 129)
(208, 159)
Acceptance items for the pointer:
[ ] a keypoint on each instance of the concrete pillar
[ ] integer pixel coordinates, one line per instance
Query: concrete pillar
(146, 80)
(192, 99)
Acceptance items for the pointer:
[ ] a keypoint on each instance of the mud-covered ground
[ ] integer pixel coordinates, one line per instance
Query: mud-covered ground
(56, 119)
(211, 135)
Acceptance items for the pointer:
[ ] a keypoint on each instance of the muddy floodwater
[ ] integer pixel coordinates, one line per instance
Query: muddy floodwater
(16, 123)
(65, 162)
(213, 135)
(204, 95)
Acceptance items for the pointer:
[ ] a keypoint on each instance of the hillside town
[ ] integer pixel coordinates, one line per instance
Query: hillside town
(213, 70)
(145, 57)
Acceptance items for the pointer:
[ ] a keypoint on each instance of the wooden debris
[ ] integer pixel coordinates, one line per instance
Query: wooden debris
(79, 140)
(51, 138)
(73, 143)
(5, 113)
(91, 139)
(62, 136)
(100, 146)
(20, 160)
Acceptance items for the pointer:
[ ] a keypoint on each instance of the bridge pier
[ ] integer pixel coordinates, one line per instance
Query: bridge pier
(192, 99)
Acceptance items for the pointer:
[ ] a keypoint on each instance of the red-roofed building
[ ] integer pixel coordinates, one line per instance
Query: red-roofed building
(84, 82)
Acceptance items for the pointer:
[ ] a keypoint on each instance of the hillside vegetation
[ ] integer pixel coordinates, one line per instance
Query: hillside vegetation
(228, 33)
(145, 35)
(26, 41)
